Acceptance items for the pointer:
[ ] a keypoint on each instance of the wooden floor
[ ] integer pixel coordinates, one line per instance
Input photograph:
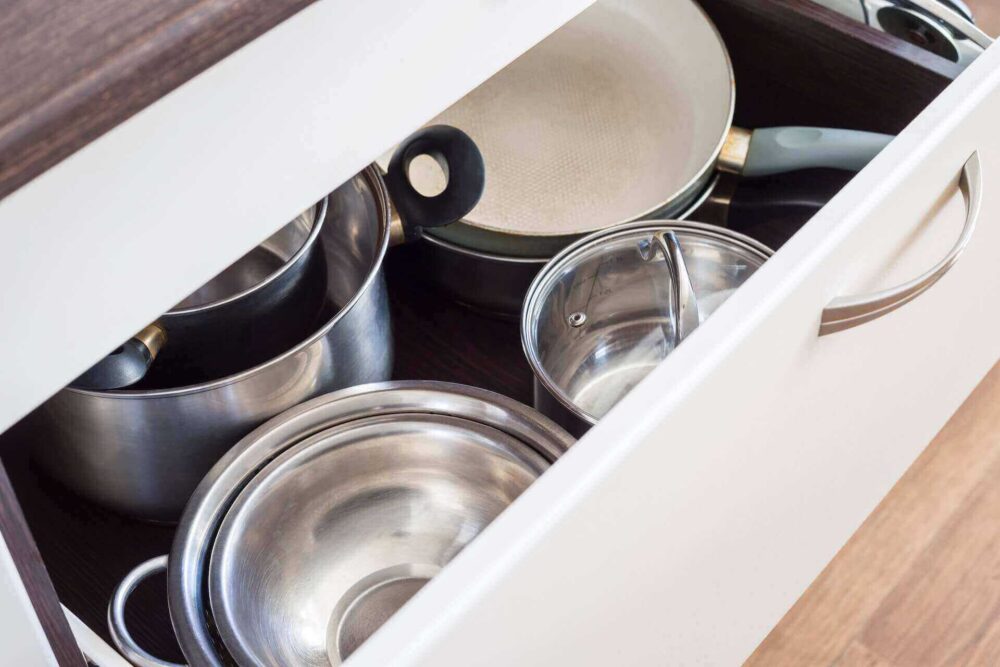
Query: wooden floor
(919, 583)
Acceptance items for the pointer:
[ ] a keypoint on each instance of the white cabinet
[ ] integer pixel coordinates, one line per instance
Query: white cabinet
(292, 114)
(684, 525)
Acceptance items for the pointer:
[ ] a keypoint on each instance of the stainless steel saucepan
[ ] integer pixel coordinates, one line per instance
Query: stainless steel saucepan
(142, 450)
(624, 113)
(196, 339)
(609, 308)
(372, 491)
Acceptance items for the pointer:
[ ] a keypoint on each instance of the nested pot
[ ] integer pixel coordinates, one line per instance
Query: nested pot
(317, 526)
(142, 451)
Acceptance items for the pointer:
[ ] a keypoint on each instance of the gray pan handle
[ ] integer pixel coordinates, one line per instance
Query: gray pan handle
(775, 150)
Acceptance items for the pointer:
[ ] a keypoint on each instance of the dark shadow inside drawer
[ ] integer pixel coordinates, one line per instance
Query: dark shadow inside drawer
(796, 63)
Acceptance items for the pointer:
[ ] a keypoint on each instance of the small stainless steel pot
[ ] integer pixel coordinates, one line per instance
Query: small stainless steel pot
(350, 464)
(605, 311)
(196, 339)
(143, 451)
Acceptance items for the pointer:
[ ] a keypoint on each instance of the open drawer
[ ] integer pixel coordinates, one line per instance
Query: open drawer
(683, 526)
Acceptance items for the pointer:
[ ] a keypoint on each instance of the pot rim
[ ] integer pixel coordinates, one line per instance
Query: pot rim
(228, 621)
(319, 218)
(217, 491)
(533, 299)
(703, 174)
(374, 177)
(485, 255)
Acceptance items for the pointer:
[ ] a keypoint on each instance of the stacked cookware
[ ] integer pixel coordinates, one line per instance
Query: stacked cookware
(331, 510)
(321, 523)
(137, 432)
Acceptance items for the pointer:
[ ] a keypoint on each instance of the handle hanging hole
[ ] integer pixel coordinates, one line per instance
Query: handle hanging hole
(428, 174)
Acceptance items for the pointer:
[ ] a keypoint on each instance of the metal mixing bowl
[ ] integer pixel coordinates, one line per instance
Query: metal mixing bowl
(466, 437)
(337, 533)
(608, 309)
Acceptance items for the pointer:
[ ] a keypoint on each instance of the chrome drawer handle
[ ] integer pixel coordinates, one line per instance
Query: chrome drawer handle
(846, 312)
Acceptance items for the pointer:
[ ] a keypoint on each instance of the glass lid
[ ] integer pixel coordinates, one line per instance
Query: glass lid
(607, 310)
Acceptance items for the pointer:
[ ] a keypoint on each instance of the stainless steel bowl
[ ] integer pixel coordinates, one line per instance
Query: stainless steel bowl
(337, 533)
(608, 309)
(522, 441)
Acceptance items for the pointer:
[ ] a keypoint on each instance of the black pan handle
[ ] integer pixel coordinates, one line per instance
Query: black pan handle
(459, 156)
(127, 364)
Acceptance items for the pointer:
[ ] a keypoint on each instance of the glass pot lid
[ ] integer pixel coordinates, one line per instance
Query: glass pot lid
(602, 314)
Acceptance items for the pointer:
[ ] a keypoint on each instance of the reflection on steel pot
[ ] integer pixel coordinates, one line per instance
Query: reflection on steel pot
(142, 451)
(374, 489)
(196, 339)
(610, 307)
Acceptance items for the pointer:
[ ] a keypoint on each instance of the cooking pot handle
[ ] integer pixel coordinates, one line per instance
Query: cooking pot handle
(116, 615)
(959, 21)
(686, 316)
(126, 365)
(775, 150)
(462, 163)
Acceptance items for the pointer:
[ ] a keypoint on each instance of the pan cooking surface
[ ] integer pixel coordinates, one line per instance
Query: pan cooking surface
(601, 122)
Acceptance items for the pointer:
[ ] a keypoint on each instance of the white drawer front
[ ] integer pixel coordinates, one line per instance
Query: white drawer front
(683, 526)
(101, 244)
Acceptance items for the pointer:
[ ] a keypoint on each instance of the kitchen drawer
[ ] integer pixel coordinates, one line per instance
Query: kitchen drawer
(683, 526)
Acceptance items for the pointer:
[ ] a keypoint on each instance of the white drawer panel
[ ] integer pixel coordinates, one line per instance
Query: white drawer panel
(683, 526)
(101, 244)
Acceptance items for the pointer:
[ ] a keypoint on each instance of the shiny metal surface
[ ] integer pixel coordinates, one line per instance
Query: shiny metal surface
(143, 451)
(217, 330)
(497, 283)
(943, 28)
(120, 635)
(339, 531)
(734, 151)
(685, 301)
(848, 312)
(258, 268)
(211, 500)
(635, 311)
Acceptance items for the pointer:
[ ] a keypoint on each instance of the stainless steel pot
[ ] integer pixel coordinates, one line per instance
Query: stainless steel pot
(475, 448)
(609, 308)
(196, 339)
(943, 27)
(143, 451)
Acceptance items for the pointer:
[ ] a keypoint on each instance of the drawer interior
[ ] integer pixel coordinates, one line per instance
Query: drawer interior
(796, 63)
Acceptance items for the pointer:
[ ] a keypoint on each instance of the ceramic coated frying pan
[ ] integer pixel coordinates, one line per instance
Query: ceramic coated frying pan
(623, 113)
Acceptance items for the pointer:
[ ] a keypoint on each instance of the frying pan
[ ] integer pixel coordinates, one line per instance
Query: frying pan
(624, 113)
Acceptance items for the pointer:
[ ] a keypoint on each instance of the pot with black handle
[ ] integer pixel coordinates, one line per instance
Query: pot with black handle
(143, 451)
